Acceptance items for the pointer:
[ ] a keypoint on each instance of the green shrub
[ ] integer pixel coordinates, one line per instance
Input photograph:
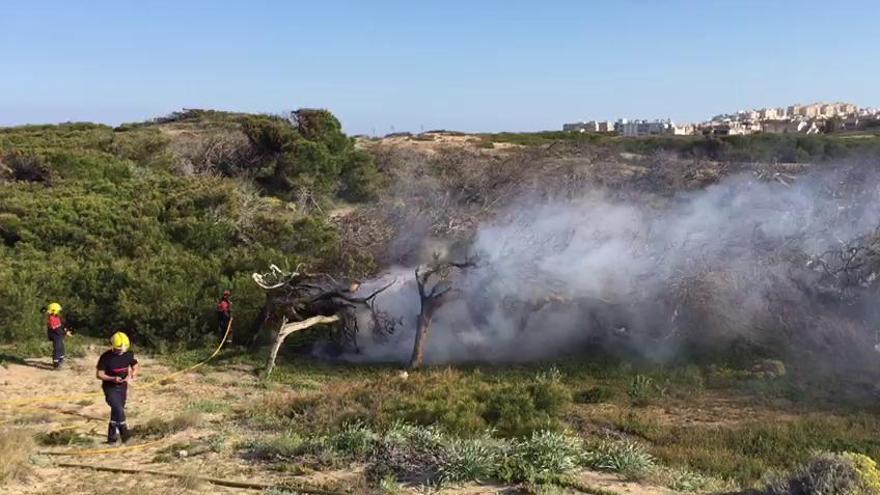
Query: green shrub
(420, 437)
(451, 404)
(355, 440)
(475, 459)
(285, 447)
(624, 457)
(544, 456)
(521, 408)
(643, 388)
(594, 395)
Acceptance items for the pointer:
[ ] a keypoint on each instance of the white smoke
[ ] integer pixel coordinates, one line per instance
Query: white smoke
(623, 262)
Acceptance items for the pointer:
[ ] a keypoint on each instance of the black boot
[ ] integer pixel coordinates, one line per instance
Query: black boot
(124, 432)
(111, 433)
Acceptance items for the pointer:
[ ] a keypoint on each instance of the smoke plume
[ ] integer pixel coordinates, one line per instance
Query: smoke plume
(750, 259)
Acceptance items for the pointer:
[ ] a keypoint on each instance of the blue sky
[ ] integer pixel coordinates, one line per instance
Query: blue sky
(466, 65)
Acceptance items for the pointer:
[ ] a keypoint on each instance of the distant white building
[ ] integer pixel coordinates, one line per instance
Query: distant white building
(637, 128)
(589, 126)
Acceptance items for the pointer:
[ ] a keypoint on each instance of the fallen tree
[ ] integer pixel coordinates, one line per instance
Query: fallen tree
(303, 300)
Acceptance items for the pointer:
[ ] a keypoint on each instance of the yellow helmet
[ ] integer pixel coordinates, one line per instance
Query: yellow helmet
(53, 309)
(119, 341)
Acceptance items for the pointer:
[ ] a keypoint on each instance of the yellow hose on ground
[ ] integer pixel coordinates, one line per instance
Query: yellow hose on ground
(105, 450)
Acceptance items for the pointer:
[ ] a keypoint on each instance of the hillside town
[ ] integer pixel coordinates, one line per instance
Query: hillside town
(814, 118)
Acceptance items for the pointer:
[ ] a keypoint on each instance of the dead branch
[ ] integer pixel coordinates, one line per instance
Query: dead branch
(288, 328)
(301, 300)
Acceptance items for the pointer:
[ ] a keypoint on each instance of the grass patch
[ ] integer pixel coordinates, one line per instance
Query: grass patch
(15, 450)
(746, 452)
(158, 427)
(594, 395)
(64, 437)
(307, 452)
(207, 406)
(462, 403)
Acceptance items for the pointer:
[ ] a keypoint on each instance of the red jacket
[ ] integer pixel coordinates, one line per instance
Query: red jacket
(224, 306)
(53, 323)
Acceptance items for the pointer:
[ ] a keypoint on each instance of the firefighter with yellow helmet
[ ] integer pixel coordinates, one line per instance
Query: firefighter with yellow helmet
(116, 368)
(55, 332)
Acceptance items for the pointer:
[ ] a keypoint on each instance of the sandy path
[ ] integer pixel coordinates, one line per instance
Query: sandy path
(89, 416)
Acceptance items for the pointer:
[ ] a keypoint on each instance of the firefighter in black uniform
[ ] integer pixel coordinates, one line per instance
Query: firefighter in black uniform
(116, 368)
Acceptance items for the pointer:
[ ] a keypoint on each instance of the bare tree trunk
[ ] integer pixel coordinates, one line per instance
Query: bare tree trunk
(260, 322)
(424, 326)
(433, 284)
(287, 329)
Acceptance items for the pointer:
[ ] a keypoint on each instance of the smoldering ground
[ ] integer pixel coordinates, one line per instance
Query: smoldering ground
(783, 264)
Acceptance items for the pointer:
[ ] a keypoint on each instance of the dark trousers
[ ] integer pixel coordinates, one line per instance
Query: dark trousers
(115, 396)
(57, 338)
(222, 323)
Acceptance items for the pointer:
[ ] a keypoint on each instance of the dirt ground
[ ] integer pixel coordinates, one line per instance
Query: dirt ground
(232, 386)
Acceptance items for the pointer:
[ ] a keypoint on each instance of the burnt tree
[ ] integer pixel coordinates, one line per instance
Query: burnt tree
(434, 286)
(303, 300)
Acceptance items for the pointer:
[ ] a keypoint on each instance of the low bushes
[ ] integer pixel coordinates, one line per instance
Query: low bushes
(464, 404)
(423, 455)
(829, 473)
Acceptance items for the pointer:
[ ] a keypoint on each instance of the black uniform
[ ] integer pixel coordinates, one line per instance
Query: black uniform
(116, 364)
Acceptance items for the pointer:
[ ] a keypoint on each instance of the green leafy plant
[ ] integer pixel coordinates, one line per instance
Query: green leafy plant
(624, 457)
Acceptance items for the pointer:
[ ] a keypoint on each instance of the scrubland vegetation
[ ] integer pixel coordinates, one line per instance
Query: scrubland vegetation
(758, 148)
(133, 230)
(142, 226)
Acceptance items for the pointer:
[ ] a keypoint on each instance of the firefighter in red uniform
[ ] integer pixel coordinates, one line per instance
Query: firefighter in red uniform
(55, 332)
(224, 314)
